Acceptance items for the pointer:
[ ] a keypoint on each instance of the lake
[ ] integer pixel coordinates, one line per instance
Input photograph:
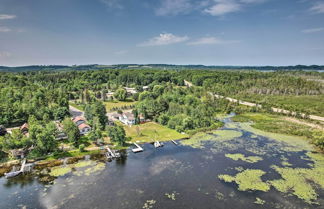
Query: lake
(234, 167)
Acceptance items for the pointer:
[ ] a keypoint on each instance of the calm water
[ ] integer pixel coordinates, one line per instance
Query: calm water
(143, 180)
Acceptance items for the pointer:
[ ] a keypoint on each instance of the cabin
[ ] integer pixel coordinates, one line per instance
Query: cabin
(110, 95)
(79, 120)
(127, 118)
(84, 128)
(24, 128)
(130, 91)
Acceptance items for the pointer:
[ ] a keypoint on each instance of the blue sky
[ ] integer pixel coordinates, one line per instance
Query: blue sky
(210, 32)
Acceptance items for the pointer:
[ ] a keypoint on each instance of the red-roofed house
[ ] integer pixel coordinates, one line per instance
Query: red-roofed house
(84, 128)
(79, 120)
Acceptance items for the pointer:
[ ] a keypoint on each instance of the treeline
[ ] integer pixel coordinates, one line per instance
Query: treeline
(157, 66)
(239, 82)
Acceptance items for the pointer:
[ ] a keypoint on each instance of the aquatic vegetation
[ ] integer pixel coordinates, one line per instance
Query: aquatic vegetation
(81, 164)
(259, 201)
(291, 143)
(98, 167)
(172, 195)
(301, 181)
(249, 179)
(197, 141)
(249, 159)
(240, 168)
(149, 204)
(219, 196)
(60, 171)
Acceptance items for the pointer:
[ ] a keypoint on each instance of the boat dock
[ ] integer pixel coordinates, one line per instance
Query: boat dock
(112, 153)
(174, 142)
(25, 167)
(138, 148)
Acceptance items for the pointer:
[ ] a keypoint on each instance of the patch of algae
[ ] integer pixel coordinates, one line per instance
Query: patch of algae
(81, 164)
(249, 179)
(99, 167)
(302, 181)
(197, 141)
(294, 143)
(249, 159)
(60, 171)
(259, 201)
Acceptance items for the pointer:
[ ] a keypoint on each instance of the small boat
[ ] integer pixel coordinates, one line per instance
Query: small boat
(157, 144)
(12, 174)
(16, 173)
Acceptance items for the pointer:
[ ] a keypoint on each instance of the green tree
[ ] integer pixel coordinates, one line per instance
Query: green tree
(120, 94)
(117, 134)
(71, 131)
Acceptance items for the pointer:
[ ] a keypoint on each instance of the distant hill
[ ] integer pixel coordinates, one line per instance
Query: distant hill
(155, 66)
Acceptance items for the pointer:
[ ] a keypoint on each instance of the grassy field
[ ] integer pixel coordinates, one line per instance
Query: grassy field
(80, 107)
(312, 104)
(148, 132)
(274, 123)
(118, 104)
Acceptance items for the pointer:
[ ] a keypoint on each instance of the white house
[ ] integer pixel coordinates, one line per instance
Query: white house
(127, 118)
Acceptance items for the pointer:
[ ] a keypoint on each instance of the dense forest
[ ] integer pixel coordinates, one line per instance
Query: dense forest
(42, 97)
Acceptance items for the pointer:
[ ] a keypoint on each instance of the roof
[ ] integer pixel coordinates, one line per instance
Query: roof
(129, 116)
(83, 125)
(78, 118)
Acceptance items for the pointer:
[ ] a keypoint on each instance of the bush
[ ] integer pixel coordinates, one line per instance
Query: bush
(82, 147)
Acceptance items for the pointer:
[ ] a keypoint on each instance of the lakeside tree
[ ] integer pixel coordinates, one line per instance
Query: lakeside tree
(117, 134)
(71, 131)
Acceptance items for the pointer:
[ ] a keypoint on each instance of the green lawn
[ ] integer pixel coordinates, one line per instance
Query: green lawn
(312, 104)
(118, 104)
(148, 132)
(80, 107)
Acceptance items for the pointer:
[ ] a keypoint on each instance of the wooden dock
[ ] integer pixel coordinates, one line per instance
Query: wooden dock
(137, 149)
(112, 153)
(174, 142)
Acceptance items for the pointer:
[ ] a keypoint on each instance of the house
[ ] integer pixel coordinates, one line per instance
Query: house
(115, 116)
(84, 128)
(24, 128)
(110, 95)
(79, 120)
(130, 91)
(145, 88)
(127, 118)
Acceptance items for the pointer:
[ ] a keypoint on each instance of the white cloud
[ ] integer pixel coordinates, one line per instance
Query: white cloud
(174, 7)
(7, 17)
(312, 30)
(223, 7)
(317, 8)
(164, 39)
(212, 41)
(4, 29)
(115, 4)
